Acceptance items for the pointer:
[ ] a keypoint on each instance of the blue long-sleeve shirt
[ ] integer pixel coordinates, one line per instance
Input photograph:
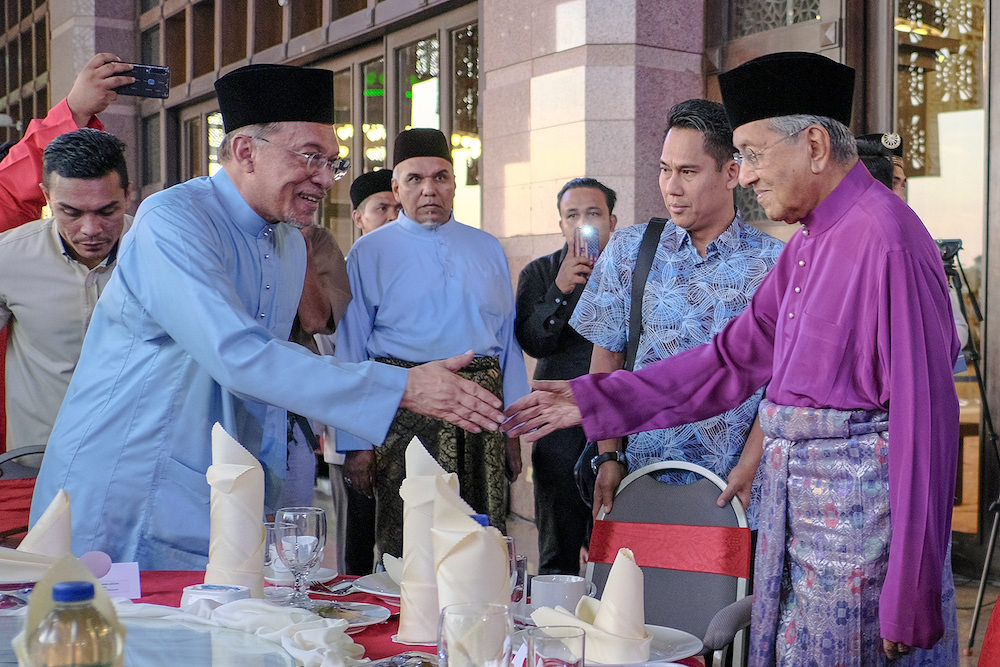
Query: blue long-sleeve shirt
(422, 295)
(192, 329)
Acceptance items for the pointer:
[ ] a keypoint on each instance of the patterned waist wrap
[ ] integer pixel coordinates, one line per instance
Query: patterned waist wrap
(479, 459)
(823, 542)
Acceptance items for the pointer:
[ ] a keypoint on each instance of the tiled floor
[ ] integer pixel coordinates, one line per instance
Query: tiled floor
(526, 538)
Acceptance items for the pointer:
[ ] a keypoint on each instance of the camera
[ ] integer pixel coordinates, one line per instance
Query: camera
(948, 248)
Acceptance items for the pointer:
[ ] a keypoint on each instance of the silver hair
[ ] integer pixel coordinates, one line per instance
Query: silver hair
(843, 147)
(259, 131)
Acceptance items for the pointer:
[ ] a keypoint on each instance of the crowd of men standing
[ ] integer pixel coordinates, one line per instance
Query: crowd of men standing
(221, 301)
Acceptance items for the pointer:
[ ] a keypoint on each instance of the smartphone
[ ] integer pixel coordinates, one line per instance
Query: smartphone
(586, 242)
(150, 81)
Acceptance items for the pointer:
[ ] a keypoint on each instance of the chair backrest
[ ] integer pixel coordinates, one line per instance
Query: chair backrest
(22, 462)
(676, 598)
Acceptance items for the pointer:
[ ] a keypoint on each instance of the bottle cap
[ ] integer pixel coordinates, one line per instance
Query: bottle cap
(481, 519)
(73, 591)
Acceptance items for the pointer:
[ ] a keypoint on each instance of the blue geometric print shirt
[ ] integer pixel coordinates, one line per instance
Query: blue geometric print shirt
(687, 300)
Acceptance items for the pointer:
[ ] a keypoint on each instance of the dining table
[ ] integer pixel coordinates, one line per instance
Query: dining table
(165, 587)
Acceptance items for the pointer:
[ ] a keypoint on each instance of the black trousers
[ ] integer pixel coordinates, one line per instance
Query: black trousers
(359, 550)
(562, 518)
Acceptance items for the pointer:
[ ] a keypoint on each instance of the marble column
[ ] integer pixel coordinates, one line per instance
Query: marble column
(574, 88)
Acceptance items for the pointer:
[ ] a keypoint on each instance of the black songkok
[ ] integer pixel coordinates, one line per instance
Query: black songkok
(275, 94)
(366, 185)
(787, 84)
(420, 142)
(890, 141)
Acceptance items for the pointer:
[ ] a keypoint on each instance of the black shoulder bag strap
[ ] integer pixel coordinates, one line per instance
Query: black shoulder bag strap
(647, 251)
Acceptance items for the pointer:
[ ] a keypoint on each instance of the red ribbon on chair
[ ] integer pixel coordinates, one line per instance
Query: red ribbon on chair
(712, 549)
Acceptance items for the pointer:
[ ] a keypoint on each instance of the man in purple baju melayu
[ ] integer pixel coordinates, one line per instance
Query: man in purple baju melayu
(852, 332)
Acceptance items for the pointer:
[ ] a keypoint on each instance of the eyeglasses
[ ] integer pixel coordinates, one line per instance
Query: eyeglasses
(753, 157)
(315, 162)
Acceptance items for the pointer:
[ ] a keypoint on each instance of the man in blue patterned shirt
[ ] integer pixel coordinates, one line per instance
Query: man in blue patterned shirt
(707, 266)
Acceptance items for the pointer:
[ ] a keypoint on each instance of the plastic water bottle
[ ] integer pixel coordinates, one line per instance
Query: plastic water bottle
(74, 634)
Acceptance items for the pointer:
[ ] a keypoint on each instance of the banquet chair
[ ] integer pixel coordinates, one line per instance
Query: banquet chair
(12, 468)
(694, 555)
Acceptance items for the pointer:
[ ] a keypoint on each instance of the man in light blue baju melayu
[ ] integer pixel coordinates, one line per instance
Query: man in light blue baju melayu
(193, 328)
(428, 287)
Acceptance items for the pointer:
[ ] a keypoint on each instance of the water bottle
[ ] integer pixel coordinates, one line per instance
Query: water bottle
(74, 634)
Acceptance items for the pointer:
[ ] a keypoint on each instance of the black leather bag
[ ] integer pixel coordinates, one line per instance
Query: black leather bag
(583, 474)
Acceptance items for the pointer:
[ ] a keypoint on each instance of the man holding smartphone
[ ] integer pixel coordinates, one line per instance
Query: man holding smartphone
(547, 293)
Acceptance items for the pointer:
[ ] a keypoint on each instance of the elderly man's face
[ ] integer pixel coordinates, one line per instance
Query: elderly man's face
(425, 186)
(779, 177)
(378, 209)
(89, 214)
(284, 189)
(698, 195)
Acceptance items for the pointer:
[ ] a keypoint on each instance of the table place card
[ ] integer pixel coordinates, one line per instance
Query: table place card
(521, 655)
(122, 581)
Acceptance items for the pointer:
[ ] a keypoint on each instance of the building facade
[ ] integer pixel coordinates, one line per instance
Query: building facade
(535, 92)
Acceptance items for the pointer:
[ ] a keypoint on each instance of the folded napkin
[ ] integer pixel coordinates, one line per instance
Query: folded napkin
(66, 568)
(52, 534)
(418, 586)
(614, 625)
(236, 542)
(50, 538)
(470, 560)
(393, 567)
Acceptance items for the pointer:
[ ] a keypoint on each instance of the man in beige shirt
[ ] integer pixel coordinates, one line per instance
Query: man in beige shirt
(53, 270)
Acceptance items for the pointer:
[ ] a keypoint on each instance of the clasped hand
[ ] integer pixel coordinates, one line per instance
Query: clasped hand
(549, 408)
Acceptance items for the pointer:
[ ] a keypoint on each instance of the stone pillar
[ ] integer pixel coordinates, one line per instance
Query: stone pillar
(574, 88)
(78, 30)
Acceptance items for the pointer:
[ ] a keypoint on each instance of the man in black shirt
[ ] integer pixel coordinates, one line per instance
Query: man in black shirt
(547, 293)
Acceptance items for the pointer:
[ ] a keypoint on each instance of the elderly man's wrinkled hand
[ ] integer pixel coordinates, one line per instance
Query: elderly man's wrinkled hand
(549, 408)
(433, 389)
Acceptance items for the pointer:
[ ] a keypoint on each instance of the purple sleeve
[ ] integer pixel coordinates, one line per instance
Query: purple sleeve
(693, 385)
(917, 336)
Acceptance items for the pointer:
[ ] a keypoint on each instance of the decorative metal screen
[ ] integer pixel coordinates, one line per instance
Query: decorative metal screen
(939, 70)
(750, 17)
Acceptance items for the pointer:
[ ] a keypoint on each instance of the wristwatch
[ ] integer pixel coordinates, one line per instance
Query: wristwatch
(601, 459)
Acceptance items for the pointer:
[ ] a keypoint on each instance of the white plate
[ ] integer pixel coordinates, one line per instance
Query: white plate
(370, 614)
(318, 576)
(380, 584)
(668, 645)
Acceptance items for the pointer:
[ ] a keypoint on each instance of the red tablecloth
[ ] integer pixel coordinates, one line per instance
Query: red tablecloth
(165, 587)
(15, 503)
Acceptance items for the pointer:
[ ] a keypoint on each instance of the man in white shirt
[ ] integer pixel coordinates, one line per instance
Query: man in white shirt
(53, 270)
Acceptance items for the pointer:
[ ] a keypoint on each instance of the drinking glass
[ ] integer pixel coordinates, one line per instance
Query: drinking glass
(300, 535)
(474, 635)
(555, 646)
(274, 569)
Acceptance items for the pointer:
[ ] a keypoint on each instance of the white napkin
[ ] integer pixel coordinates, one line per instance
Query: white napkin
(236, 545)
(418, 602)
(393, 567)
(66, 568)
(312, 640)
(614, 626)
(50, 538)
(470, 560)
(52, 534)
